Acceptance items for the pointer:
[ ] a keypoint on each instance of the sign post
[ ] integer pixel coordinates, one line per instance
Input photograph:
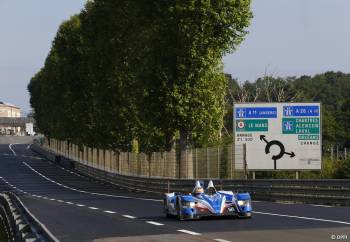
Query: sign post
(279, 136)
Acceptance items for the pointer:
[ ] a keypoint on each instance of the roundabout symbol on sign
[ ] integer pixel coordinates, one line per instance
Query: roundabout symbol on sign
(281, 147)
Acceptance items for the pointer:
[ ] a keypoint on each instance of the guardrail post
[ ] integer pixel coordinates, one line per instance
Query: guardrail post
(296, 175)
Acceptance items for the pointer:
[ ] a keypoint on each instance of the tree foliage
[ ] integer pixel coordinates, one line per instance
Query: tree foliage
(151, 71)
(331, 89)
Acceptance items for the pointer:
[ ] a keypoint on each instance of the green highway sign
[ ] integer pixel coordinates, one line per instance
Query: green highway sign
(252, 125)
(308, 137)
(301, 125)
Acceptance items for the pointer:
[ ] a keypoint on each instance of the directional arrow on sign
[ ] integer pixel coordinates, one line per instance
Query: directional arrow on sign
(290, 154)
(262, 137)
(281, 147)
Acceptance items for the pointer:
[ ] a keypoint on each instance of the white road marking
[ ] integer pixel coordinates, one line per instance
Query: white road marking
(107, 211)
(14, 153)
(319, 205)
(91, 193)
(188, 232)
(70, 203)
(154, 223)
(80, 205)
(299, 217)
(61, 201)
(128, 216)
(52, 199)
(222, 240)
(93, 208)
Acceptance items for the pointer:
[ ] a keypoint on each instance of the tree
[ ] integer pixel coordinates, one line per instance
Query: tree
(192, 36)
(122, 71)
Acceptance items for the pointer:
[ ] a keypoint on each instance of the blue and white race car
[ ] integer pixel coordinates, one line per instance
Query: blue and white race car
(209, 202)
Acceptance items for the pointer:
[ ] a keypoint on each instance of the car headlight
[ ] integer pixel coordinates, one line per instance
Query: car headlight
(188, 204)
(243, 202)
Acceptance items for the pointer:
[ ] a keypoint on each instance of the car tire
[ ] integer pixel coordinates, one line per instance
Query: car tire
(165, 206)
(179, 214)
(245, 215)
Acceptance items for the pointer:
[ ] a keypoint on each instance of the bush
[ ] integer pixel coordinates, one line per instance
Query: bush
(342, 170)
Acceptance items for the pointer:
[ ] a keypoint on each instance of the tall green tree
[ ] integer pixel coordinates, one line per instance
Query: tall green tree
(192, 37)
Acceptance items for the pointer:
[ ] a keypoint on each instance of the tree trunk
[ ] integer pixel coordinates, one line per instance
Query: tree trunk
(186, 158)
(169, 142)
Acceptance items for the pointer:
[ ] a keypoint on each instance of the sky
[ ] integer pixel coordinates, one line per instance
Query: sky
(286, 38)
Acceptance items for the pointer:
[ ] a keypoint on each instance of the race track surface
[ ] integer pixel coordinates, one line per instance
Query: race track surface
(75, 208)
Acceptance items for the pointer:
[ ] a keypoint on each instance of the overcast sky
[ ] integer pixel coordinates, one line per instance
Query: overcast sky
(287, 38)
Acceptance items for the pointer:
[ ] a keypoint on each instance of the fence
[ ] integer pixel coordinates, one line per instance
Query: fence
(224, 162)
(336, 153)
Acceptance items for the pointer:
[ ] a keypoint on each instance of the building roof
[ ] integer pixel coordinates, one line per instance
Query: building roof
(8, 104)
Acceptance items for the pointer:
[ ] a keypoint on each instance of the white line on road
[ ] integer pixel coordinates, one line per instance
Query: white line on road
(154, 223)
(80, 205)
(107, 211)
(92, 193)
(61, 201)
(93, 208)
(14, 153)
(70, 203)
(319, 205)
(188, 232)
(128, 216)
(222, 240)
(307, 218)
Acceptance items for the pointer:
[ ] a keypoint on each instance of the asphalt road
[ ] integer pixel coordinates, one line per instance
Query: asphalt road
(75, 208)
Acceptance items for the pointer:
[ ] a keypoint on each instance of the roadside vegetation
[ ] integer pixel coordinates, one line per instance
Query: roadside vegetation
(331, 89)
(126, 74)
(148, 76)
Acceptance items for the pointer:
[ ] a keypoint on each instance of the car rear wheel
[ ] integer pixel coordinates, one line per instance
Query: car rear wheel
(165, 208)
(179, 214)
(245, 215)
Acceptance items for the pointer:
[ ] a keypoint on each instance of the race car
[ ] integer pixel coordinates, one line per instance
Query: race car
(209, 202)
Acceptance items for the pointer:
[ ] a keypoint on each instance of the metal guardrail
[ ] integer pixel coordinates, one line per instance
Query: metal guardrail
(330, 191)
(20, 224)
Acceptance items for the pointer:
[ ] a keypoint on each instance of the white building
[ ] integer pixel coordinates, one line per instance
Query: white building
(9, 111)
